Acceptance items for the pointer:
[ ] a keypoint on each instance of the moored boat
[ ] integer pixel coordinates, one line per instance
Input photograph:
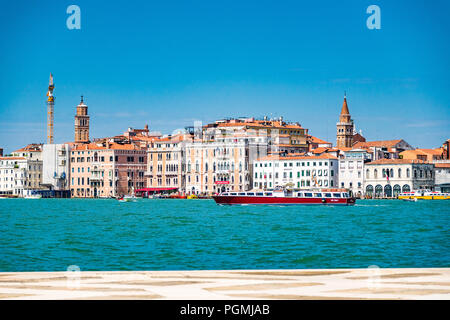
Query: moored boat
(33, 196)
(424, 195)
(286, 197)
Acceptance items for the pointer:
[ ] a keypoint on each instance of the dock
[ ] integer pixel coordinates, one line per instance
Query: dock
(307, 284)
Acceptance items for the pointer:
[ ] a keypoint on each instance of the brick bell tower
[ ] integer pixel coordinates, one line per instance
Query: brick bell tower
(82, 123)
(345, 127)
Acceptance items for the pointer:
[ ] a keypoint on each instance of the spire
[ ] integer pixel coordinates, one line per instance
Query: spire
(344, 110)
(50, 81)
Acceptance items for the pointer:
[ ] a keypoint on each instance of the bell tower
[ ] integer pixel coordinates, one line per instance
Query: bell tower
(82, 123)
(345, 127)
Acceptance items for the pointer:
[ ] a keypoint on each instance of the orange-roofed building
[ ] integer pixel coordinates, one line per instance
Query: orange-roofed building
(295, 171)
(106, 169)
(423, 154)
(384, 149)
(314, 143)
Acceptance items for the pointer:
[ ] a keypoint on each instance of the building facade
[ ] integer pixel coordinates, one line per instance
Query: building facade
(442, 175)
(13, 175)
(102, 171)
(386, 178)
(56, 166)
(33, 155)
(296, 172)
(351, 170)
(165, 164)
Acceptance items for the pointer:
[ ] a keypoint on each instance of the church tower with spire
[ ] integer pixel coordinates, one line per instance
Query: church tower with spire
(82, 123)
(345, 127)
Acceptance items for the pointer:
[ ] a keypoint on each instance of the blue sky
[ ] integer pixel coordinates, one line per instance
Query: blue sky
(169, 63)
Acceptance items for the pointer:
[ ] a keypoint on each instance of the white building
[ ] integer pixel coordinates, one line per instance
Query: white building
(55, 173)
(13, 173)
(389, 177)
(33, 155)
(351, 170)
(295, 171)
(442, 175)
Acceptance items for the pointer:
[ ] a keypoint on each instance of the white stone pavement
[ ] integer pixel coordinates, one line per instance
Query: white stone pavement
(426, 283)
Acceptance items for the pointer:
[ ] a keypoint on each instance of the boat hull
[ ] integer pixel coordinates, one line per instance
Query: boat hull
(281, 201)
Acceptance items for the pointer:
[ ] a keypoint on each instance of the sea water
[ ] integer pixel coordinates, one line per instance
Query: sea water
(169, 234)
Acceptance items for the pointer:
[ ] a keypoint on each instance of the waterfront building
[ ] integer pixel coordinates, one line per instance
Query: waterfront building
(165, 164)
(218, 166)
(82, 123)
(13, 175)
(106, 170)
(351, 170)
(33, 173)
(296, 171)
(389, 177)
(442, 175)
(56, 167)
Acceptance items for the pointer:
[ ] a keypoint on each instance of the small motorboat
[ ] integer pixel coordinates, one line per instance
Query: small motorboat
(127, 199)
(33, 196)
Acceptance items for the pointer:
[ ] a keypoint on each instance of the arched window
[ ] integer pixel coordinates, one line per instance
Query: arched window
(391, 174)
(378, 191)
(369, 191)
(367, 174)
(408, 173)
(388, 191)
(375, 173)
(399, 175)
(406, 188)
(397, 190)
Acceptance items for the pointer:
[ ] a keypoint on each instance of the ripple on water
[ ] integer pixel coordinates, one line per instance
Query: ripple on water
(181, 234)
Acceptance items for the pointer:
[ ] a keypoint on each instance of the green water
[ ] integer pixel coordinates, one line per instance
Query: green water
(51, 234)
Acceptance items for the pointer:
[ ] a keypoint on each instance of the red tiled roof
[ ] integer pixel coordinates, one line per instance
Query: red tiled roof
(381, 143)
(442, 165)
(395, 161)
(276, 157)
(317, 140)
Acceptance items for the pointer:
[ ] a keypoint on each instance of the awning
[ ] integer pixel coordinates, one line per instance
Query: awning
(155, 189)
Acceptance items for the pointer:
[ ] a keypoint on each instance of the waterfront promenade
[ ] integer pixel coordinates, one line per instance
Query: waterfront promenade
(371, 283)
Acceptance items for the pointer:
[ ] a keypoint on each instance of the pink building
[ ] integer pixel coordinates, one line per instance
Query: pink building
(106, 170)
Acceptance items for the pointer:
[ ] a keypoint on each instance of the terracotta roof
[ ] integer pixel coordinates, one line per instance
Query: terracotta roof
(442, 165)
(381, 143)
(12, 158)
(317, 140)
(112, 146)
(396, 161)
(285, 158)
(31, 148)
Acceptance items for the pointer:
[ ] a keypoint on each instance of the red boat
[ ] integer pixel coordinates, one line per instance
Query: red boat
(286, 197)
